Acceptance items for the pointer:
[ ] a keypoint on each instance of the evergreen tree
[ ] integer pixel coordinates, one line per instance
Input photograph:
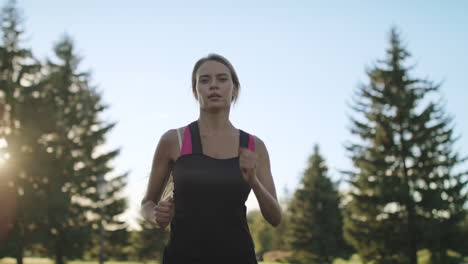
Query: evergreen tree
(51, 139)
(315, 230)
(19, 132)
(405, 193)
(75, 208)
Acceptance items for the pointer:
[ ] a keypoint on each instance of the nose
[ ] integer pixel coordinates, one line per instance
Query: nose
(214, 84)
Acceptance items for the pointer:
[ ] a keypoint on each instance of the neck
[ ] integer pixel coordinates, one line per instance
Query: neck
(214, 122)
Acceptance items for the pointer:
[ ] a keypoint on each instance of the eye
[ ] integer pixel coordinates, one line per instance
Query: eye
(203, 80)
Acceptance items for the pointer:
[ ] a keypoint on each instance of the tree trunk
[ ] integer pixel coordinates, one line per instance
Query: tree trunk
(412, 249)
(58, 252)
(19, 255)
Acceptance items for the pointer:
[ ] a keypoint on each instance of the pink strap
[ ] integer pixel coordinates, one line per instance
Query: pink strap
(187, 142)
(251, 143)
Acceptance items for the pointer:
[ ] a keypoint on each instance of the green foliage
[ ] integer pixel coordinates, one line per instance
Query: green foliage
(19, 129)
(54, 136)
(404, 182)
(148, 243)
(315, 229)
(261, 232)
(265, 236)
(75, 205)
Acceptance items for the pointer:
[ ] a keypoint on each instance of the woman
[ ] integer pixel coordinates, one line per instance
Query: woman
(214, 167)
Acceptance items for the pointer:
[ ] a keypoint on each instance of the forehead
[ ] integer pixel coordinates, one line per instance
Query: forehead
(212, 68)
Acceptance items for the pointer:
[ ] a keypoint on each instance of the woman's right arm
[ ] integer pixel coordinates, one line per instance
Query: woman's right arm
(160, 171)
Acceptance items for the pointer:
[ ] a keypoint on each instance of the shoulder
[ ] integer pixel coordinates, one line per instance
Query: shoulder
(259, 144)
(171, 135)
(262, 152)
(168, 145)
(169, 140)
(168, 137)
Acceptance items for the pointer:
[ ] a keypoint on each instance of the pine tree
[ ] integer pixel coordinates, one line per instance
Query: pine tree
(75, 209)
(52, 135)
(404, 182)
(315, 219)
(19, 131)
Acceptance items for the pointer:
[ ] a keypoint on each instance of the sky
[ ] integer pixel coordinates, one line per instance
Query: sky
(299, 63)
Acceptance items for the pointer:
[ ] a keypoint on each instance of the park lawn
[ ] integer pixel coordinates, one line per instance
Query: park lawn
(50, 261)
(423, 258)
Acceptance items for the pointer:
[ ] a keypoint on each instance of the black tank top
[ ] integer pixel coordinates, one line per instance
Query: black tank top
(209, 224)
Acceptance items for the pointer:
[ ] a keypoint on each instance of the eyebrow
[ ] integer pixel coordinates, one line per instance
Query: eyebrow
(219, 74)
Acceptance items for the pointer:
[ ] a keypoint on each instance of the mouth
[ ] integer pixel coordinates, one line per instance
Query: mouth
(214, 96)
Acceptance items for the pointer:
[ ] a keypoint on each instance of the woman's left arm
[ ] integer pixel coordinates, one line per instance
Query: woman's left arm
(256, 169)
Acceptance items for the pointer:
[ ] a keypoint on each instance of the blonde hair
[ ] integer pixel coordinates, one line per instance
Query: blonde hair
(168, 189)
(168, 192)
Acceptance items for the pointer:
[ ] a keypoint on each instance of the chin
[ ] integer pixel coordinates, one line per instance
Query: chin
(216, 107)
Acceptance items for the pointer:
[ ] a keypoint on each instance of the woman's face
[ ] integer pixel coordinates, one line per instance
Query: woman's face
(214, 86)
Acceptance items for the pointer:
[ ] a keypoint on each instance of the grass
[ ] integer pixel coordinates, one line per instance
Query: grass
(423, 257)
(353, 260)
(27, 261)
(50, 261)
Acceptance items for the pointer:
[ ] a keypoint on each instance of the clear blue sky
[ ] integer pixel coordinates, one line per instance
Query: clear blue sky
(298, 62)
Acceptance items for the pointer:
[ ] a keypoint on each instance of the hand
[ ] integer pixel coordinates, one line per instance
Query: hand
(164, 212)
(248, 161)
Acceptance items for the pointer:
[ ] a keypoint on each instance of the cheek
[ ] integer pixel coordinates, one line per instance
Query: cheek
(229, 89)
(201, 90)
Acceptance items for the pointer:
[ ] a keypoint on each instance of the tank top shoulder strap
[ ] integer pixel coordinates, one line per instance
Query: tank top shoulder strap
(246, 141)
(195, 136)
(191, 142)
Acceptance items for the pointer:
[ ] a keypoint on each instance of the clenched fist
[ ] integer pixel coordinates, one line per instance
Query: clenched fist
(164, 211)
(161, 214)
(248, 161)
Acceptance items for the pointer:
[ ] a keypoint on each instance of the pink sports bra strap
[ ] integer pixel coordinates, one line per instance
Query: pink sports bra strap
(187, 142)
(251, 143)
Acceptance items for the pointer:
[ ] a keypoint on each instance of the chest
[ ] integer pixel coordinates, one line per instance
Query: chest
(197, 176)
(220, 146)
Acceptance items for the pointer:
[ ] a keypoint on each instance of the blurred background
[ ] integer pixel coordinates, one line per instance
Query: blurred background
(361, 104)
